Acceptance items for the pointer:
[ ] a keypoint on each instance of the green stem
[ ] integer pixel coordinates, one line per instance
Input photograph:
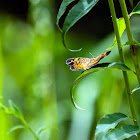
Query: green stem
(113, 14)
(30, 129)
(130, 38)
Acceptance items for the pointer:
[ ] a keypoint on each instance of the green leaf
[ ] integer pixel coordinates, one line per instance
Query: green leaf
(123, 132)
(42, 129)
(136, 43)
(135, 89)
(3, 107)
(62, 10)
(15, 128)
(16, 110)
(108, 122)
(121, 27)
(136, 10)
(76, 13)
(98, 67)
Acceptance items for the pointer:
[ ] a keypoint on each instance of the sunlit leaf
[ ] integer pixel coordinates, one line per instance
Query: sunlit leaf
(42, 129)
(3, 107)
(122, 132)
(121, 28)
(135, 89)
(136, 10)
(98, 67)
(108, 122)
(76, 13)
(16, 110)
(15, 128)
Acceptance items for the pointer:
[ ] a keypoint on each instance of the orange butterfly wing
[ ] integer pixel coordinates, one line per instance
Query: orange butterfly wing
(84, 63)
(77, 63)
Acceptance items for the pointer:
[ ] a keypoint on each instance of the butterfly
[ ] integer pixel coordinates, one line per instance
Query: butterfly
(84, 63)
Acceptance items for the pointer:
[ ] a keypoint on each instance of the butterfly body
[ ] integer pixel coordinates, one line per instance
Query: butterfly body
(83, 62)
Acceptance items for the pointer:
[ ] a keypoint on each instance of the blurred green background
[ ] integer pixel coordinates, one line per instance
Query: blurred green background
(33, 73)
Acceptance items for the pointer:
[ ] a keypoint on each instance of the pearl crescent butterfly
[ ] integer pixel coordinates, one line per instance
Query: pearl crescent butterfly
(84, 63)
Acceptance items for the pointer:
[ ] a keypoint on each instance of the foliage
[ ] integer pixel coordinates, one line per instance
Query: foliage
(34, 76)
(107, 128)
(77, 12)
(15, 111)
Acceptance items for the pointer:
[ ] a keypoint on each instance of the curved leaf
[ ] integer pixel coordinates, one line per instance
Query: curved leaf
(5, 109)
(123, 132)
(108, 122)
(121, 27)
(121, 24)
(16, 110)
(136, 10)
(62, 10)
(15, 128)
(135, 89)
(98, 67)
(42, 129)
(76, 13)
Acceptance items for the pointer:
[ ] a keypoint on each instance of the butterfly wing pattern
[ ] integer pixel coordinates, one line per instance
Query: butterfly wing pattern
(84, 63)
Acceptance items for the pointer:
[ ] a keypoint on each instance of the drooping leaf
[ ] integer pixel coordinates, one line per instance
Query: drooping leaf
(135, 89)
(136, 10)
(42, 129)
(121, 28)
(108, 122)
(62, 10)
(16, 110)
(15, 128)
(122, 132)
(98, 67)
(76, 13)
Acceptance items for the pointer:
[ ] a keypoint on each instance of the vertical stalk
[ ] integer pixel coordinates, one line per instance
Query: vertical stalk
(30, 129)
(130, 38)
(113, 14)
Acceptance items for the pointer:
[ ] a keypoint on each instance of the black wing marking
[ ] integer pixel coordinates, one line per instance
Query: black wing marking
(68, 61)
(73, 69)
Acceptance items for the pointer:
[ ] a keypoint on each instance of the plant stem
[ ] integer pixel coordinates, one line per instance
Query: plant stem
(113, 14)
(30, 129)
(130, 38)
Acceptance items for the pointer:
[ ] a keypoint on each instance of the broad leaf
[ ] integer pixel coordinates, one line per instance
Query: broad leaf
(62, 10)
(136, 10)
(76, 13)
(15, 128)
(121, 133)
(135, 89)
(16, 110)
(108, 122)
(98, 67)
(42, 129)
(121, 28)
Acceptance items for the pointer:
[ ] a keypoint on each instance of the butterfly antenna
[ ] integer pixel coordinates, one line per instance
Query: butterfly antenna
(91, 54)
